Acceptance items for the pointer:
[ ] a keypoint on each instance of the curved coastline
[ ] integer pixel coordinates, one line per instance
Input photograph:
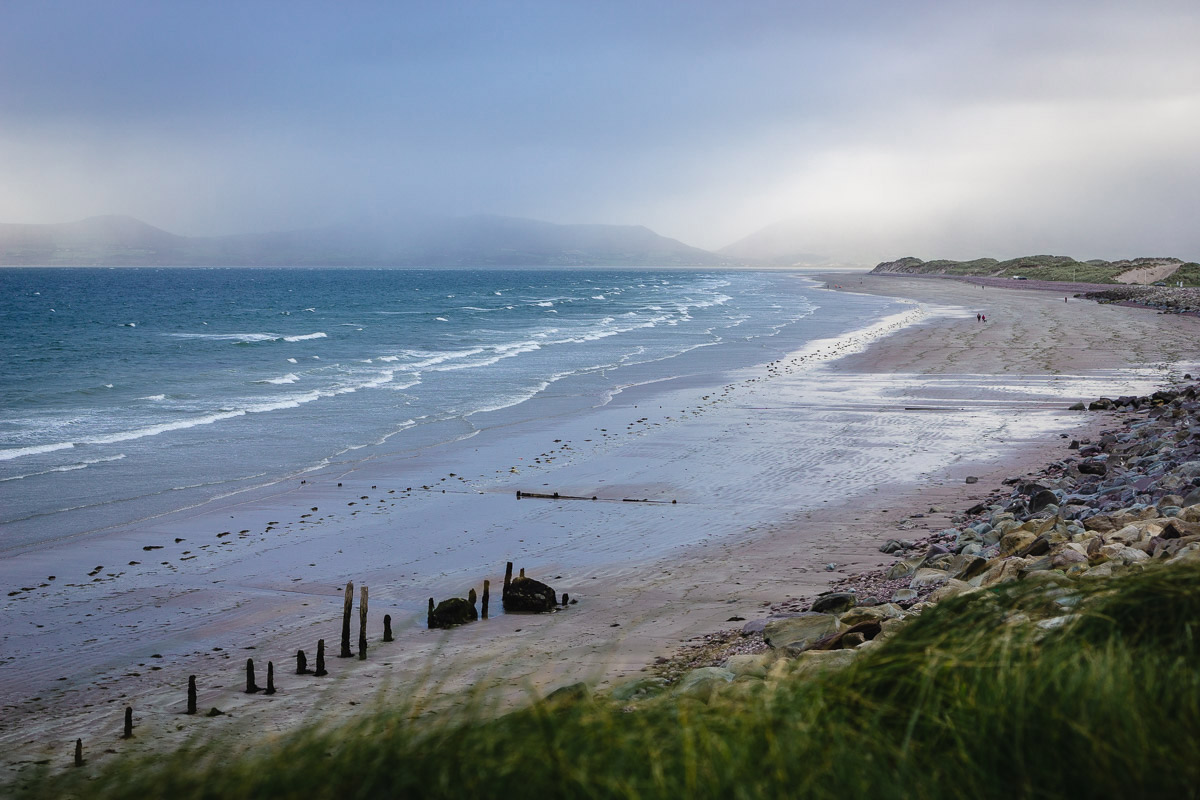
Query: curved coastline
(1006, 380)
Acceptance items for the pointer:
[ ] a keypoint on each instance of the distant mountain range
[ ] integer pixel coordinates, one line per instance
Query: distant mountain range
(430, 242)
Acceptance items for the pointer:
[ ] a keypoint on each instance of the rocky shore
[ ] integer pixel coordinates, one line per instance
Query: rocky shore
(1119, 504)
(1173, 299)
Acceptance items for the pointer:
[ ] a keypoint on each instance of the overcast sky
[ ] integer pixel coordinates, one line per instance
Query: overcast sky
(868, 129)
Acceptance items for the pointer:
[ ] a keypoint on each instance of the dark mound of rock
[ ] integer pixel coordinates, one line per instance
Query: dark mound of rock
(526, 594)
(451, 612)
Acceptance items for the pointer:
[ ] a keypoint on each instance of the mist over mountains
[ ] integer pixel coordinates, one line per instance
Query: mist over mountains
(426, 242)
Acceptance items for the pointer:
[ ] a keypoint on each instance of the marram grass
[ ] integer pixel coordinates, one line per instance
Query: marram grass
(971, 699)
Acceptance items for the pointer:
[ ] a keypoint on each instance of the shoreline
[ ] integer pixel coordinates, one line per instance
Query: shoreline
(673, 595)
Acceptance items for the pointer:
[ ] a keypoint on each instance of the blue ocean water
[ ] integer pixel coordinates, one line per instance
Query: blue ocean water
(125, 393)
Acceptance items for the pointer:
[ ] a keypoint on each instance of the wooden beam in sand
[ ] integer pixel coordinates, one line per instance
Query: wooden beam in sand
(251, 686)
(487, 585)
(362, 624)
(387, 627)
(191, 701)
(128, 734)
(347, 606)
(320, 670)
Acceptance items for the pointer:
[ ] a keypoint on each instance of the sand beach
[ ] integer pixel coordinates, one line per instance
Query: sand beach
(772, 482)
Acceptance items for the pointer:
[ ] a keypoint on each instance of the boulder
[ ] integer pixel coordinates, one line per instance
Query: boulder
(1043, 498)
(817, 661)
(451, 612)
(640, 689)
(859, 633)
(700, 684)
(905, 596)
(755, 665)
(928, 577)
(950, 589)
(526, 594)
(1015, 541)
(1002, 571)
(967, 566)
(1066, 557)
(799, 631)
(834, 602)
(873, 613)
(902, 569)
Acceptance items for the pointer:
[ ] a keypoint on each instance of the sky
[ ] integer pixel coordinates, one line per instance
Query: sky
(854, 130)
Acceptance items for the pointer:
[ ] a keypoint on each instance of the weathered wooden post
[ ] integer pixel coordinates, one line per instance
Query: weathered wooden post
(566, 599)
(486, 592)
(301, 663)
(270, 678)
(320, 671)
(79, 752)
(471, 596)
(128, 734)
(507, 579)
(362, 625)
(191, 708)
(387, 627)
(429, 614)
(522, 572)
(347, 606)
(251, 686)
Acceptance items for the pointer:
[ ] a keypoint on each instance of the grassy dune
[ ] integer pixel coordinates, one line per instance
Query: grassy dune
(974, 698)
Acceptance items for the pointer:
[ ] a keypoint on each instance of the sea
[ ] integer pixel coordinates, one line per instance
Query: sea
(130, 393)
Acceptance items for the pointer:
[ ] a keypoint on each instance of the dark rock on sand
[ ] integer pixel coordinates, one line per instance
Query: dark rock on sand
(451, 612)
(526, 594)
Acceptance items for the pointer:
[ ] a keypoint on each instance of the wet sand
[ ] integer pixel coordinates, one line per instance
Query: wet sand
(778, 471)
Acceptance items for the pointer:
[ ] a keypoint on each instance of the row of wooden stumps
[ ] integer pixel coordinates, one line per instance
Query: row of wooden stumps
(520, 594)
(252, 686)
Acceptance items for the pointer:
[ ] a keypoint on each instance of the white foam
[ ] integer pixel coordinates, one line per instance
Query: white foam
(155, 397)
(66, 468)
(291, 377)
(305, 337)
(292, 361)
(33, 450)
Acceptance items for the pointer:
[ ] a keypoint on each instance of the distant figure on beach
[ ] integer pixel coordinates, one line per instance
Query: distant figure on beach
(983, 317)
(978, 317)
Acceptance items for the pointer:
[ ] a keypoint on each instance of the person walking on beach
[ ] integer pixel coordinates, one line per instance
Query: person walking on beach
(978, 317)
